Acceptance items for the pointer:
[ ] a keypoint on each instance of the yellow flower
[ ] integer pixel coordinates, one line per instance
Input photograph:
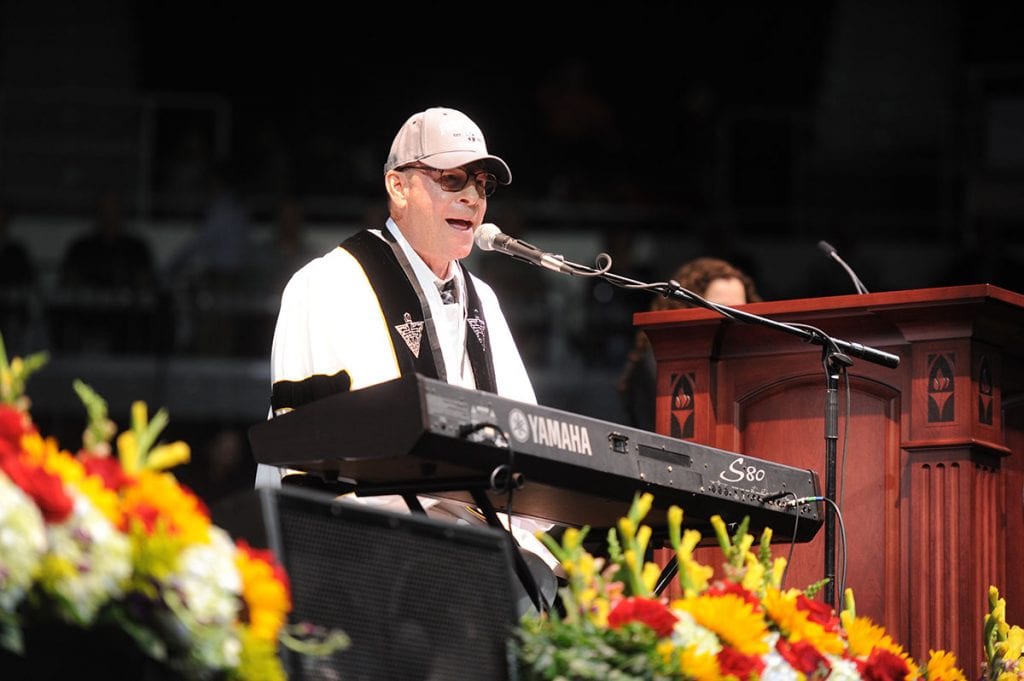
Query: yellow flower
(721, 532)
(650, 576)
(168, 456)
(265, 595)
(45, 452)
(128, 452)
(696, 574)
(598, 611)
(1011, 647)
(259, 659)
(628, 528)
(699, 666)
(778, 570)
(572, 537)
(136, 455)
(56, 569)
(690, 540)
(732, 619)
(795, 624)
(942, 667)
(643, 537)
(184, 513)
(630, 557)
(675, 516)
(746, 541)
(863, 636)
(753, 579)
(642, 506)
(155, 554)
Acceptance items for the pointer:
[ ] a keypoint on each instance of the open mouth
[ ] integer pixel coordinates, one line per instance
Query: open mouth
(462, 225)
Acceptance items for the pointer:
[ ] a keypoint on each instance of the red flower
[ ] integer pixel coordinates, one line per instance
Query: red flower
(14, 424)
(107, 468)
(7, 450)
(647, 611)
(883, 665)
(145, 514)
(731, 662)
(46, 489)
(804, 658)
(723, 588)
(818, 612)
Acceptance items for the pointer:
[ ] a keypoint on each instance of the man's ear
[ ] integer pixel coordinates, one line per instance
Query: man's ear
(397, 187)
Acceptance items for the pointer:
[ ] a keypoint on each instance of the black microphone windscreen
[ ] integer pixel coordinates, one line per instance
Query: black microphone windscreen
(826, 248)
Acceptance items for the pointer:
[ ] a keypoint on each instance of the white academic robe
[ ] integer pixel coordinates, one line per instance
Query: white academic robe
(330, 320)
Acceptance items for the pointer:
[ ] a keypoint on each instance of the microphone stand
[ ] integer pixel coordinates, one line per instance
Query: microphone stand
(836, 355)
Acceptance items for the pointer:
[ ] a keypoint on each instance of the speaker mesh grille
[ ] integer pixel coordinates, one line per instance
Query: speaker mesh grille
(420, 599)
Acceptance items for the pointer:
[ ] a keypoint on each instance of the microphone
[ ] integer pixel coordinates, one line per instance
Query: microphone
(489, 238)
(829, 251)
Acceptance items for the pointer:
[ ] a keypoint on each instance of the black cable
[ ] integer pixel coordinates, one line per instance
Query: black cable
(846, 438)
(842, 531)
(792, 539)
(466, 430)
(509, 485)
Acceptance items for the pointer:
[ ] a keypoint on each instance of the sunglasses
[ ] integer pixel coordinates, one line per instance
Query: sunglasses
(456, 179)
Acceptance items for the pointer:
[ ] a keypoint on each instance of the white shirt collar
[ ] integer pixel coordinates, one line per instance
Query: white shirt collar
(449, 320)
(424, 275)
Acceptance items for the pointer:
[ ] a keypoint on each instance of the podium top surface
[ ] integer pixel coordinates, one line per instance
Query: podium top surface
(848, 305)
(885, 322)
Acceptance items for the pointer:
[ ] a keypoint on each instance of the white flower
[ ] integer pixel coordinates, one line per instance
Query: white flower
(208, 580)
(687, 632)
(89, 560)
(22, 543)
(842, 669)
(210, 588)
(775, 666)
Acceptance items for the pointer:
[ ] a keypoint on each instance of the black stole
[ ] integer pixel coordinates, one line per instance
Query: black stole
(407, 314)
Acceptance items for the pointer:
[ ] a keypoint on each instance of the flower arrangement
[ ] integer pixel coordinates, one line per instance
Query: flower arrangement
(107, 541)
(1004, 644)
(742, 626)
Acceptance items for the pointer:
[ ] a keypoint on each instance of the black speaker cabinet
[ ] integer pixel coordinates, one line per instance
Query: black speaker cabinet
(420, 598)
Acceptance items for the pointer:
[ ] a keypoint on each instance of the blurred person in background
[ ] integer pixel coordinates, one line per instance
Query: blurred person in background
(715, 280)
(106, 298)
(17, 285)
(212, 273)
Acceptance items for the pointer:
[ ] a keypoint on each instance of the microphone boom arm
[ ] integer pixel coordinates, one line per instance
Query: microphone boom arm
(808, 334)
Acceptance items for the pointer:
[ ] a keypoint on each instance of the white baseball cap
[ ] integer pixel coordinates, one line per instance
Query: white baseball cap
(443, 138)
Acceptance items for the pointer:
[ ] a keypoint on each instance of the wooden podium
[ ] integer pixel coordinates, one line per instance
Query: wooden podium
(930, 485)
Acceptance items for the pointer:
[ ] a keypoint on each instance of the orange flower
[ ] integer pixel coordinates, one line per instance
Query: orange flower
(159, 495)
(266, 590)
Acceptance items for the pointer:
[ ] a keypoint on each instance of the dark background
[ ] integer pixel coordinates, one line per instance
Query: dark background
(655, 132)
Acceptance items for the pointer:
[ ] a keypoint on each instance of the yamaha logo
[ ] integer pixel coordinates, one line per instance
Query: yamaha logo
(549, 432)
(518, 425)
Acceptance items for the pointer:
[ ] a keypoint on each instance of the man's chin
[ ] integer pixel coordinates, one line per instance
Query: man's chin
(463, 251)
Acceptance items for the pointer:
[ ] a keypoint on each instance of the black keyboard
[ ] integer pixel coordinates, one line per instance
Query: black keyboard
(416, 435)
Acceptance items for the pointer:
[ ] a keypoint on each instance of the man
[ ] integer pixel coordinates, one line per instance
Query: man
(393, 301)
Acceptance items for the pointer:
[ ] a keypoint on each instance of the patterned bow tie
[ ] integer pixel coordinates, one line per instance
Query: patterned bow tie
(448, 292)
